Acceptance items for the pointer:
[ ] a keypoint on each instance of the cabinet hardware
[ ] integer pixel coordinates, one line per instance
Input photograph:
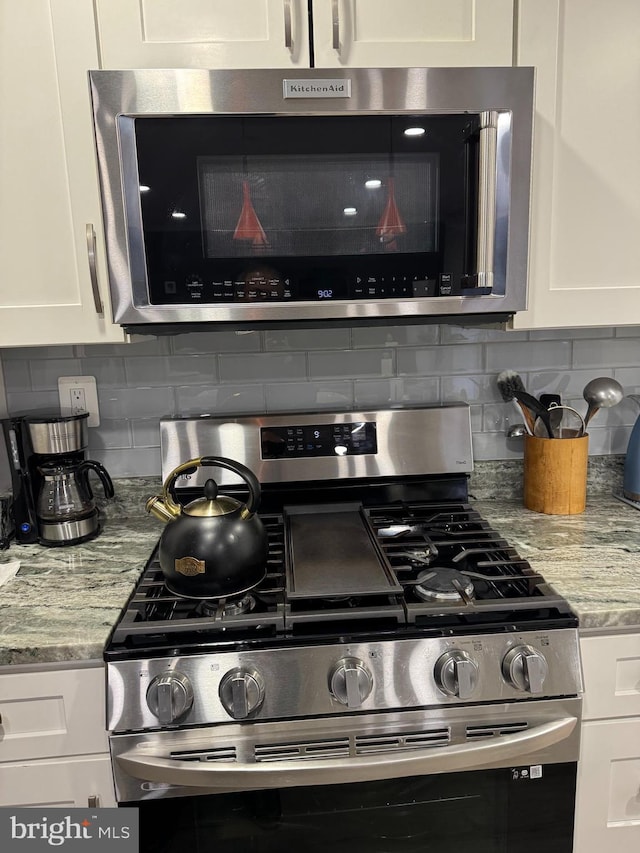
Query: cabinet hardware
(335, 24)
(288, 37)
(93, 273)
(94, 801)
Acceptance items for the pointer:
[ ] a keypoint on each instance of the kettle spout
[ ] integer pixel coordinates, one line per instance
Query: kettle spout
(156, 506)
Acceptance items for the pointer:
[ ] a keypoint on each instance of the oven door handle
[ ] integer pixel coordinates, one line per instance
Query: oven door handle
(234, 776)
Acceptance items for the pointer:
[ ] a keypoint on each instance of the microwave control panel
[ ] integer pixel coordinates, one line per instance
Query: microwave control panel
(197, 289)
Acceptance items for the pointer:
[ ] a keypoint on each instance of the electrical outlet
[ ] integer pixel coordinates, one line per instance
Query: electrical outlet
(79, 394)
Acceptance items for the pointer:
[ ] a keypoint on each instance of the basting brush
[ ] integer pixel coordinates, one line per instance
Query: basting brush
(511, 387)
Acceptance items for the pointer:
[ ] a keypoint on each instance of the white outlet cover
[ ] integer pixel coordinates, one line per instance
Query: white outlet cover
(88, 384)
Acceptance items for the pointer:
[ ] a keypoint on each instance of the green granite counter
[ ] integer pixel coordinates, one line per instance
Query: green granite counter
(63, 602)
(592, 559)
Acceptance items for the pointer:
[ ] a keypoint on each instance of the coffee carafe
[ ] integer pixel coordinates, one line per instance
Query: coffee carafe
(53, 502)
(65, 509)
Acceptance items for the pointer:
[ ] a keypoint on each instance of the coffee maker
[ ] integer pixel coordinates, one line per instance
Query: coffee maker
(52, 499)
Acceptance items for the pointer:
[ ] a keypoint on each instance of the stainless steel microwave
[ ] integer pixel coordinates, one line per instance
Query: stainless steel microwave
(258, 198)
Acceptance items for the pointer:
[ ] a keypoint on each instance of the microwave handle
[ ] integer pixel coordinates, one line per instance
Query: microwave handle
(93, 271)
(288, 773)
(487, 168)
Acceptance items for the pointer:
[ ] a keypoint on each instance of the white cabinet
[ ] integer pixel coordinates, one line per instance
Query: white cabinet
(203, 33)
(49, 201)
(275, 33)
(379, 33)
(585, 251)
(608, 796)
(53, 744)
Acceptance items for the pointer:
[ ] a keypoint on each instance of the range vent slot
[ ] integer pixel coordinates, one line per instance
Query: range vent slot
(221, 753)
(338, 748)
(370, 744)
(495, 729)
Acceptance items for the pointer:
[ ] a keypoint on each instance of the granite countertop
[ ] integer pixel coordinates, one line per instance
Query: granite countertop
(63, 602)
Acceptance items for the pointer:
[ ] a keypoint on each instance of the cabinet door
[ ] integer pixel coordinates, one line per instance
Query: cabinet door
(585, 251)
(611, 667)
(608, 805)
(380, 33)
(203, 33)
(49, 178)
(64, 783)
(52, 713)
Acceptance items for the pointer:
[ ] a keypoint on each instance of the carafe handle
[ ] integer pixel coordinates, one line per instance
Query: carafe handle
(91, 465)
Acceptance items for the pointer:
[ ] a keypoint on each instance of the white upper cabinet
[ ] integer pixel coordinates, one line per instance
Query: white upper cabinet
(203, 33)
(585, 225)
(275, 33)
(49, 203)
(401, 33)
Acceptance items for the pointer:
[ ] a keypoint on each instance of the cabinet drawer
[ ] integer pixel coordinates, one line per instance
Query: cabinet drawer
(608, 804)
(64, 783)
(58, 712)
(611, 668)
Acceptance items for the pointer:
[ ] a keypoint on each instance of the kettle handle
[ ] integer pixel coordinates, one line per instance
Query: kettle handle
(192, 465)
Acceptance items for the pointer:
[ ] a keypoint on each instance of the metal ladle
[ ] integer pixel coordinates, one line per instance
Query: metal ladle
(601, 393)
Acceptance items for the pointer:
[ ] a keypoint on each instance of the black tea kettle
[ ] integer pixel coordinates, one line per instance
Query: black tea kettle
(215, 546)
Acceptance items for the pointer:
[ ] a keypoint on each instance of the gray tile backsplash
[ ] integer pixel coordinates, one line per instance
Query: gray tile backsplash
(344, 369)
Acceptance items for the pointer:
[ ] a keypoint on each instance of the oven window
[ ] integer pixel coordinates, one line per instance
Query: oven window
(486, 811)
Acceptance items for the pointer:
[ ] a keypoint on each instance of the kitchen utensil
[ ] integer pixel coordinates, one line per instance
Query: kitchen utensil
(215, 546)
(511, 386)
(601, 393)
(65, 508)
(554, 417)
(565, 422)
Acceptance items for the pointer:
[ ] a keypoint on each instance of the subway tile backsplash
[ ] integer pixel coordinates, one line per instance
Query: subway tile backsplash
(229, 373)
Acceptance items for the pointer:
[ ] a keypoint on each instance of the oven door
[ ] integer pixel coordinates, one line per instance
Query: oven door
(482, 811)
(491, 780)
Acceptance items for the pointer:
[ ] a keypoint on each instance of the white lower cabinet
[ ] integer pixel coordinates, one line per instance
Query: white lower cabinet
(54, 749)
(60, 783)
(608, 796)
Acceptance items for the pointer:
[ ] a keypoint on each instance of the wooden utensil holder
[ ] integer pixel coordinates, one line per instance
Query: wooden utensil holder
(555, 474)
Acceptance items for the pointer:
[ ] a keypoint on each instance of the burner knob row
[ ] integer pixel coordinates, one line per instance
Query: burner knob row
(350, 682)
(525, 669)
(456, 674)
(169, 696)
(241, 692)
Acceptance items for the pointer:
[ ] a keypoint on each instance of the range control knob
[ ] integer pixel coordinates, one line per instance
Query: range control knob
(350, 682)
(456, 674)
(241, 692)
(525, 669)
(169, 696)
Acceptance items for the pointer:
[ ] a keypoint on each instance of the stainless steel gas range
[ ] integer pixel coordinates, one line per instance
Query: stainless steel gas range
(395, 636)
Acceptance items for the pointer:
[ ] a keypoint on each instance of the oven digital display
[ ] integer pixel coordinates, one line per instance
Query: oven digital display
(296, 442)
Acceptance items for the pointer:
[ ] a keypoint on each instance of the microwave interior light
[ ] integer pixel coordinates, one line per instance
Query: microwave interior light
(373, 184)
(414, 131)
(350, 211)
(144, 188)
(178, 214)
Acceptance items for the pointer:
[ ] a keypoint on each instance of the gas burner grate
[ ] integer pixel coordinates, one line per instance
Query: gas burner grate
(153, 612)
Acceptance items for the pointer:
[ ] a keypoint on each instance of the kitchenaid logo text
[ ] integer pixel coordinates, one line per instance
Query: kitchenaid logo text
(316, 88)
(74, 829)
